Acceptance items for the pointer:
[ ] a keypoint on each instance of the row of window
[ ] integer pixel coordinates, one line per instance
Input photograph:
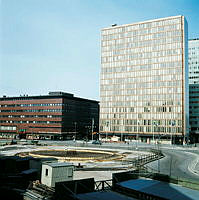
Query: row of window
(160, 93)
(117, 39)
(159, 38)
(141, 61)
(193, 92)
(141, 122)
(141, 34)
(8, 128)
(143, 85)
(147, 45)
(155, 26)
(140, 104)
(193, 77)
(157, 109)
(191, 63)
(156, 48)
(30, 116)
(194, 123)
(135, 76)
(30, 105)
(130, 63)
(36, 110)
(145, 115)
(131, 103)
(136, 55)
(196, 72)
(117, 79)
(143, 129)
(149, 115)
(27, 122)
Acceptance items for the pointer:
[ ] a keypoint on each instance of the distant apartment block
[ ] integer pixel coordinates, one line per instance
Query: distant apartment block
(58, 115)
(144, 80)
(194, 61)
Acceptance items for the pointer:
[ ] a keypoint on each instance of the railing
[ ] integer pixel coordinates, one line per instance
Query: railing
(103, 185)
(144, 159)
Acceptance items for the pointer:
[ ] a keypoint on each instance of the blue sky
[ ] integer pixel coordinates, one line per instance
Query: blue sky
(48, 45)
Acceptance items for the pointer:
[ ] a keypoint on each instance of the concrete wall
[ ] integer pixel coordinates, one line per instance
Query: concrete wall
(46, 179)
(60, 174)
(56, 174)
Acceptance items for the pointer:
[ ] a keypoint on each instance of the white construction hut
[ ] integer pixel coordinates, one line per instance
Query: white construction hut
(56, 172)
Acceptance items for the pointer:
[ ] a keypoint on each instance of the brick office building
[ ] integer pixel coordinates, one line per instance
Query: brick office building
(58, 115)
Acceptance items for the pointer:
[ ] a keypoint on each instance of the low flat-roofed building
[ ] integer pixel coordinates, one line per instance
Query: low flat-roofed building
(56, 172)
(148, 188)
(57, 115)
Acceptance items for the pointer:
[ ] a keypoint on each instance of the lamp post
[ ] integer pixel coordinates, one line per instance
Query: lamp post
(152, 127)
(152, 130)
(92, 128)
(158, 143)
(154, 124)
(172, 124)
(75, 130)
(138, 123)
(107, 124)
(122, 129)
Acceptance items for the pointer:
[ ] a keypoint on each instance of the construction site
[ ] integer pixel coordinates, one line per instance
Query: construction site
(82, 171)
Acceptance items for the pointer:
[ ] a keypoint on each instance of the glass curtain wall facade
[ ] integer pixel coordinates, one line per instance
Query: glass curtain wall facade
(144, 78)
(194, 112)
(194, 61)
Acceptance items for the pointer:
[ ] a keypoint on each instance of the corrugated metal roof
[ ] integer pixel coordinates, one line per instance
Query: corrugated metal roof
(103, 196)
(161, 189)
(29, 171)
(58, 164)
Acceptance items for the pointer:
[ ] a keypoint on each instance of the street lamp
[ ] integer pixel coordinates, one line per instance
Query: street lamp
(172, 124)
(75, 130)
(107, 124)
(153, 130)
(158, 143)
(92, 128)
(138, 123)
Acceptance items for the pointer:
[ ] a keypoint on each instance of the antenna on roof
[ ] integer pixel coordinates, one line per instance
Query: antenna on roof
(113, 25)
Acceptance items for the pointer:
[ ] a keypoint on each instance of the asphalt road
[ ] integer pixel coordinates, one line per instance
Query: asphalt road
(178, 163)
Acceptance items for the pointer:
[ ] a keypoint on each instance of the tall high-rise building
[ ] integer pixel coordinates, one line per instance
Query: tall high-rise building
(194, 61)
(144, 79)
(194, 88)
(194, 112)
